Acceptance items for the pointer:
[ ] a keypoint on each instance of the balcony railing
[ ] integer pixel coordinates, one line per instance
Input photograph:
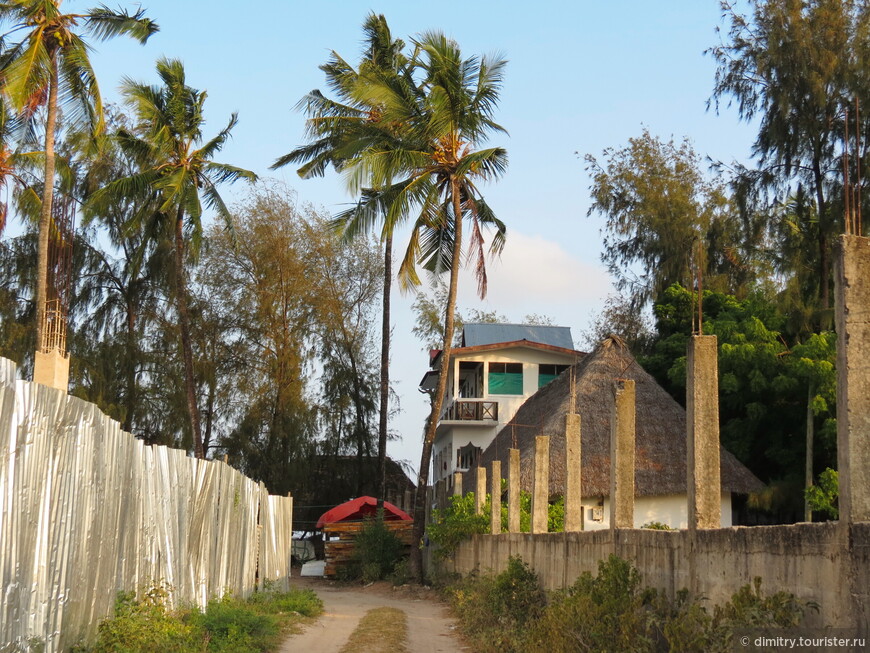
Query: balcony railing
(475, 410)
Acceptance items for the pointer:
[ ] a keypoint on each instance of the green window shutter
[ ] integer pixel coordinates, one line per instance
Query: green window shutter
(505, 378)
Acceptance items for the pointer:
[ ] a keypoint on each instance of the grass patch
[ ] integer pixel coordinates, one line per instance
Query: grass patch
(382, 630)
(227, 625)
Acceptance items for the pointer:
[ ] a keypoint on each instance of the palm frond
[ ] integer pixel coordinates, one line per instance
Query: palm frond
(104, 23)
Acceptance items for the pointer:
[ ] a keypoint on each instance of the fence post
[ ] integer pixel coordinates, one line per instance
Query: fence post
(702, 433)
(495, 493)
(573, 473)
(541, 491)
(513, 490)
(622, 455)
(480, 492)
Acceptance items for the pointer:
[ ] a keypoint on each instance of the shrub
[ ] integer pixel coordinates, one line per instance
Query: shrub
(454, 524)
(234, 627)
(494, 611)
(376, 551)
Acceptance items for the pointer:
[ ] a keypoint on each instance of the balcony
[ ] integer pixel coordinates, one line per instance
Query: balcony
(472, 410)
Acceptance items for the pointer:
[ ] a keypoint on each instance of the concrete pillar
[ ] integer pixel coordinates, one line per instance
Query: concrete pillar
(513, 490)
(52, 369)
(406, 504)
(457, 484)
(852, 309)
(541, 490)
(573, 496)
(441, 494)
(622, 455)
(495, 494)
(702, 433)
(480, 489)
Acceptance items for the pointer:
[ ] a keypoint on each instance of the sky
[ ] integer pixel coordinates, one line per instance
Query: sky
(582, 76)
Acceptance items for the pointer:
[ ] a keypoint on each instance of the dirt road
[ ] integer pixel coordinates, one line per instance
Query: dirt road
(430, 628)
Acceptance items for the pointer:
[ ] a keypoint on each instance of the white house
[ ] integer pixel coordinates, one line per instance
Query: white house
(493, 372)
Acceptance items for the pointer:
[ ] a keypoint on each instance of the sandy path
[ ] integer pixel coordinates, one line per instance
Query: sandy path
(429, 624)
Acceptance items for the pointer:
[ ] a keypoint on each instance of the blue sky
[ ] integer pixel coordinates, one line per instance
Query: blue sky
(583, 76)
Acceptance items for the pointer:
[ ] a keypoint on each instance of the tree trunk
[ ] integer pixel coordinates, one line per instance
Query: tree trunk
(45, 213)
(824, 258)
(416, 561)
(186, 346)
(808, 512)
(132, 360)
(384, 407)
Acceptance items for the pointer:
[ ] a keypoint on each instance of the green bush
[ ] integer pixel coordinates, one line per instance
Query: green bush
(609, 612)
(376, 551)
(494, 611)
(233, 626)
(454, 524)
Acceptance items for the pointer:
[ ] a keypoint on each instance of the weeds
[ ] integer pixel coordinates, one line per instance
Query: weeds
(611, 611)
(228, 625)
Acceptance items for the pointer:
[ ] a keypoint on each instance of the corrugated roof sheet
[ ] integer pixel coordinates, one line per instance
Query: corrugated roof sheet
(486, 334)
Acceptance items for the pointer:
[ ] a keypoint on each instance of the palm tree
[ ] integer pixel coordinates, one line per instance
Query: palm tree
(339, 131)
(175, 170)
(49, 66)
(443, 117)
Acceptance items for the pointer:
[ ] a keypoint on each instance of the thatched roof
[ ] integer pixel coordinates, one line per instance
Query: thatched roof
(660, 453)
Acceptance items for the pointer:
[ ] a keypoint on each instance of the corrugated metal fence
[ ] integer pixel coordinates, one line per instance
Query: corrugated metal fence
(86, 511)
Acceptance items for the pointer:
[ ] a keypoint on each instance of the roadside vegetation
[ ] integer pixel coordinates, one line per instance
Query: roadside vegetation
(612, 611)
(227, 625)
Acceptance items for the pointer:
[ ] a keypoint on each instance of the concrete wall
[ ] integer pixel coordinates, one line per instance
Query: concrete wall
(827, 563)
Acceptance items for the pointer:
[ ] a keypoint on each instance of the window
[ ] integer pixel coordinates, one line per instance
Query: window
(547, 373)
(505, 378)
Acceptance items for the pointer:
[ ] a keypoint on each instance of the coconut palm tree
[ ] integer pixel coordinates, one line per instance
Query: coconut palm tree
(178, 172)
(339, 131)
(48, 65)
(444, 116)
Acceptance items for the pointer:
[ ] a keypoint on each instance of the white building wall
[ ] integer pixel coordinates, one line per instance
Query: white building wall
(671, 510)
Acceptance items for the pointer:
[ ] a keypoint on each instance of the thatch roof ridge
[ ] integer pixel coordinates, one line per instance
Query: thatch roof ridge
(661, 426)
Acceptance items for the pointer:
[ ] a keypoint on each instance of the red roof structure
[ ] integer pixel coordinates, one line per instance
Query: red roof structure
(359, 508)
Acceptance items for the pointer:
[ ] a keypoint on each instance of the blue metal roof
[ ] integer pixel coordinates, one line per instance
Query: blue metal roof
(488, 334)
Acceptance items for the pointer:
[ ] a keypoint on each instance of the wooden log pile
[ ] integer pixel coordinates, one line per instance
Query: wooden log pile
(339, 552)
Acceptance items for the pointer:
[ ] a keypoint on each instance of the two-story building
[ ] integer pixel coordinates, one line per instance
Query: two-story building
(490, 375)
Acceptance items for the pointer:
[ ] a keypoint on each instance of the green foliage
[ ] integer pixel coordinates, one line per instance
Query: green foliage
(455, 523)
(822, 497)
(146, 626)
(377, 551)
(764, 384)
(459, 522)
(228, 625)
(609, 612)
(494, 611)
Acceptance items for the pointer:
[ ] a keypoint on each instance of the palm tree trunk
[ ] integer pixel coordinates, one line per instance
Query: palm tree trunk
(824, 257)
(132, 361)
(383, 414)
(416, 561)
(186, 346)
(45, 214)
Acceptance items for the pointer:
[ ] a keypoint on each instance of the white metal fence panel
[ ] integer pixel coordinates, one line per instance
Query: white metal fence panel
(86, 511)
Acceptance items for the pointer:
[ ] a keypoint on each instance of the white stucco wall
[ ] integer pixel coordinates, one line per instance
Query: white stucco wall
(670, 509)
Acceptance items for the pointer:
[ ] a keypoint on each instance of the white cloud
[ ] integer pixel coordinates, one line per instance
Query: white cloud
(536, 275)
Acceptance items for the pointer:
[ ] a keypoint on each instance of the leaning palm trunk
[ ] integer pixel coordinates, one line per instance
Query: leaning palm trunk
(438, 400)
(384, 413)
(186, 346)
(45, 214)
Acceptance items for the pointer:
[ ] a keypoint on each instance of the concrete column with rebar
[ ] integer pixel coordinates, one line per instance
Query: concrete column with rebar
(457, 484)
(852, 310)
(622, 434)
(573, 496)
(541, 489)
(495, 494)
(513, 490)
(702, 433)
